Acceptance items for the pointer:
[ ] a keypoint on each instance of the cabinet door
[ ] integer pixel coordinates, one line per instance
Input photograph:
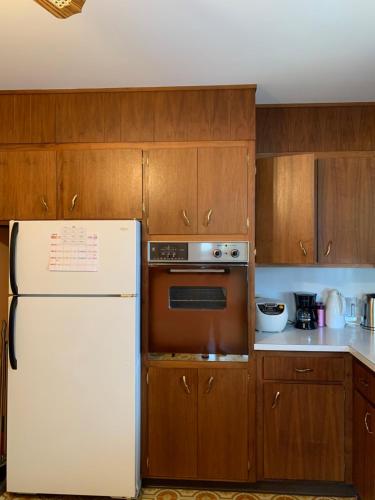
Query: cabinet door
(370, 451)
(223, 424)
(222, 190)
(172, 191)
(346, 206)
(303, 431)
(172, 422)
(101, 184)
(285, 210)
(359, 444)
(28, 185)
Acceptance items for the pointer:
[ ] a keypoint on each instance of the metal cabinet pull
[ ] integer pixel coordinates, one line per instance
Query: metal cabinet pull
(304, 251)
(209, 384)
(364, 382)
(303, 370)
(366, 423)
(208, 217)
(185, 217)
(44, 204)
(275, 400)
(186, 385)
(329, 248)
(74, 199)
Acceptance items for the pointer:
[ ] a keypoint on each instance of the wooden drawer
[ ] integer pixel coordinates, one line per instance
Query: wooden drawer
(364, 381)
(303, 368)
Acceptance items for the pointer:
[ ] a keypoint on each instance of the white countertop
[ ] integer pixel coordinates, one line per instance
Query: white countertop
(354, 339)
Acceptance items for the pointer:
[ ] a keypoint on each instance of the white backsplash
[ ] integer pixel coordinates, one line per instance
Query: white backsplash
(281, 282)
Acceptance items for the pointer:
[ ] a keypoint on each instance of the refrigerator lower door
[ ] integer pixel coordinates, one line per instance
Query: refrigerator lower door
(73, 401)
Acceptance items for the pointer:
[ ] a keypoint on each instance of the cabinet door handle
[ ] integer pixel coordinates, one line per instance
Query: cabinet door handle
(186, 385)
(209, 384)
(44, 204)
(185, 217)
(303, 370)
(366, 423)
(208, 217)
(304, 251)
(329, 248)
(73, 204)
(364, 382)
(275, 400)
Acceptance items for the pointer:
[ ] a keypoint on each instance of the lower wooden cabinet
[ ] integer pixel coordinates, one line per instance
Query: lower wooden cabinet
(198, 423)
(303, 435)
(364, 432)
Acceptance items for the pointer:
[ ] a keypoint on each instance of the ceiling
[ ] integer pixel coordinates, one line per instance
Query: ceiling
(295, 50)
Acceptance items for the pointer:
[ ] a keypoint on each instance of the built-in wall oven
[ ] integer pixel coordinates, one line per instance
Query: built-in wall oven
(198, 297)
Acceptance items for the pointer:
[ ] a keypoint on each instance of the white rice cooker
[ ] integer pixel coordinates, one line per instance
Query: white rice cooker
(271, 315)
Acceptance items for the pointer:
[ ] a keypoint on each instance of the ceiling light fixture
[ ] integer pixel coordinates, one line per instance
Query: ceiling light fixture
(62, 8)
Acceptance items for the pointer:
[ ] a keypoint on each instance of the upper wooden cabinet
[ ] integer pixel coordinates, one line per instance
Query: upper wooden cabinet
(346, 207)
(27, 118)
(27, 185)
(286, 210)
(197, 191)
(101, 184)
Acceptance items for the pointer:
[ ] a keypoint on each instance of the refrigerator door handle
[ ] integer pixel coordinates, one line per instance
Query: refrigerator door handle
(12, 258)
(12, 319)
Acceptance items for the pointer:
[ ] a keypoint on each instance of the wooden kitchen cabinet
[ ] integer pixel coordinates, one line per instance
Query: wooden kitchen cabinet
(364, 432)
(27, 185)
(286, 210)
(346, 206)
(198, 190)
(101, 184)
(198, 423)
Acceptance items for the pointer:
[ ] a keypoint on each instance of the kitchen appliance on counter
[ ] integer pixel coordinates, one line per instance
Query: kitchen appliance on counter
(369, 311)
(335, 309)
(271, 315)
(198, 297)
(74, 358)
(306, 316)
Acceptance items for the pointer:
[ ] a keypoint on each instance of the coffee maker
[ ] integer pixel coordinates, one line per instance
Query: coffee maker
(306, 315)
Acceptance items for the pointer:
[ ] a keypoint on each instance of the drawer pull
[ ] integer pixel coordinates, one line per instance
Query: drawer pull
(275, 400)
(366, 423)
(186, 385)
(304, 370)
(209, 385)
(364, 382)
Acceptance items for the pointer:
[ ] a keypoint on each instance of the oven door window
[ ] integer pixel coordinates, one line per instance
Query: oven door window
(197, 297)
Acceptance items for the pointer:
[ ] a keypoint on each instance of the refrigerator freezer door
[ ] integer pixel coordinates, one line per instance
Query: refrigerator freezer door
(73, 400)
(113, 270)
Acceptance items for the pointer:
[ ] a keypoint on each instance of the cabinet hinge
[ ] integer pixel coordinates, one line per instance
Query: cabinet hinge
(147, 160)
(248, 465)
(147, 222)
(247, 222)
(148, 463)
(143, 207)
(255, 252)
(147, 377)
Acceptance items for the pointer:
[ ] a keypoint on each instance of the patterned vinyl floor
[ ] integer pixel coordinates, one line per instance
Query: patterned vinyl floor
(168, 494)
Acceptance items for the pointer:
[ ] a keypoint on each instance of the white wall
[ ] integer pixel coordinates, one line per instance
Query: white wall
(281, 282)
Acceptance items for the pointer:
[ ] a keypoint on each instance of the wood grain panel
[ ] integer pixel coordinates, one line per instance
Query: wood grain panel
(91, 117)
(364, 380)
(304, 431)
(172, 189)
(286, 210)
(4, 259)
(303, 368)
(222, 424)
(108, 184)
(137, 116)
(222, 190)
(242, 120)
(272, 130)
(26, 179)
(172, 423)
(27, 118)
(346, 206)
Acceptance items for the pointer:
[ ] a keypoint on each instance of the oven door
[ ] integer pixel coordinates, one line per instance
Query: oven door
(198, 309)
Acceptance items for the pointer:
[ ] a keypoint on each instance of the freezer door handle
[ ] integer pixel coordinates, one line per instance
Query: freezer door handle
(12, 259)
(12, 320)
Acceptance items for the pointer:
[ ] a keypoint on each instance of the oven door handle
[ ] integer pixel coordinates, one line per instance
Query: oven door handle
(200, 271)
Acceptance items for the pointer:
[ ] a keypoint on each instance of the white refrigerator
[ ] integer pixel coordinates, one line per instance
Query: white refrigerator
(74, 358)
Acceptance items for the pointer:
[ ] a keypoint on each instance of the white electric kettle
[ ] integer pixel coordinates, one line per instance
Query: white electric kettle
(335, 309)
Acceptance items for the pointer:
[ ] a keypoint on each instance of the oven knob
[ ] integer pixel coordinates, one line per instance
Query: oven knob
(216, 253)
(235, 253)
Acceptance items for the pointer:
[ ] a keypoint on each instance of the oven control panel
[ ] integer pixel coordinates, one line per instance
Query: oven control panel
(198, 251)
